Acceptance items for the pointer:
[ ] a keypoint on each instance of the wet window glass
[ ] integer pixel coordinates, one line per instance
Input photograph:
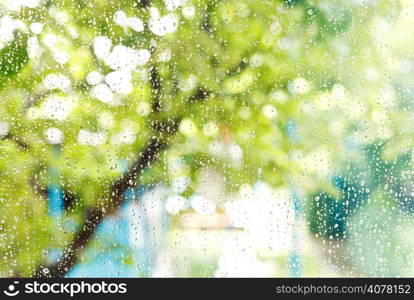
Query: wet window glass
(206, 138)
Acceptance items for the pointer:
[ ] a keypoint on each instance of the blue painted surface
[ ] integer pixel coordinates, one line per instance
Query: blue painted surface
(291, 129)
(56, 204)
(295, 265)
(55, 195)
(108, 254)
(111, 248)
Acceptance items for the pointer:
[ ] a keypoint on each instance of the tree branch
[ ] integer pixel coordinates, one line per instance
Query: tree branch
(20, 143)
(95, 216)
(155, 81)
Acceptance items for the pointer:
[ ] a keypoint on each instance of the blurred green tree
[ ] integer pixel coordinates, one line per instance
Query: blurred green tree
(123, 89)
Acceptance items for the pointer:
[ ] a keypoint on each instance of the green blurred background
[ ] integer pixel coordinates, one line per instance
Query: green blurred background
(283, 138)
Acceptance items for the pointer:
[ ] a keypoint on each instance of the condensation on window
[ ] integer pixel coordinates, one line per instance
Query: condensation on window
(206, 138)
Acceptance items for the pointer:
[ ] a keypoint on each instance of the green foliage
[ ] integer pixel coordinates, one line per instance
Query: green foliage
(276, 92)
(13, 58)
(330, 211)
